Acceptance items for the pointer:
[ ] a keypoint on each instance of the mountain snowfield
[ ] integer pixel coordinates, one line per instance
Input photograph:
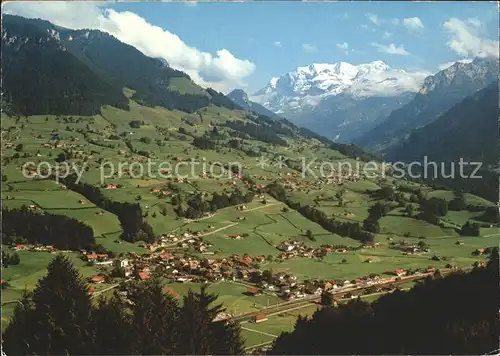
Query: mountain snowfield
(368, 103)
(308, 86)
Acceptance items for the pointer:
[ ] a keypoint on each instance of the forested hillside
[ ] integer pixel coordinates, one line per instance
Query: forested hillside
(39, 76)
(438, 94)
(468, 131)
(47, 69)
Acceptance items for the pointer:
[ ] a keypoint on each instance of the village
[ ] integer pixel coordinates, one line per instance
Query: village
(177, 267)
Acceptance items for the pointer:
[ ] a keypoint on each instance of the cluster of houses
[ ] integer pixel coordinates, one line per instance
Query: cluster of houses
(185, 240)
(296, 248)
(36, 248)
(409, 248)
(159, 191)
(287, 287)
(181, 268)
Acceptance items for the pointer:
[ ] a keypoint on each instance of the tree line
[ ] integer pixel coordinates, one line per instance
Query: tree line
(10, 259)
(62, 232)
(197, 206)
(375, 213)
(130, 215)
(456, 314)
(262, 133)
(280, 126)
(346, 229)
(59, 318)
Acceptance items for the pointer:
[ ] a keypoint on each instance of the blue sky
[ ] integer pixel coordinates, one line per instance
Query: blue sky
(266, 39)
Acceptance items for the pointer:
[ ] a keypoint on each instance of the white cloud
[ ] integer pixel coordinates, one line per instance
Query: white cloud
(413, 24)
(343, 47)
(390, 49)
(221, 70)
(449, 64)
(465, 39)
(373, 18)
(475, 22)
(387, 35)
(277, 44)
(309, 47)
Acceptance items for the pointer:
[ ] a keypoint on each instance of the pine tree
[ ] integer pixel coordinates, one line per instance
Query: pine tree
(59, 321)
(154, 320)
(16, 338)
(199, 334)
(111, 322)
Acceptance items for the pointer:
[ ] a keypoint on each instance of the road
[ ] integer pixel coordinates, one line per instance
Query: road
(200, 235)
(104, 290)
(217, 230)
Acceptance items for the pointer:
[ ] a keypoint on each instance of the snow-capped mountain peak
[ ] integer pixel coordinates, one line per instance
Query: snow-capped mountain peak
(306, 86)
(480, 69)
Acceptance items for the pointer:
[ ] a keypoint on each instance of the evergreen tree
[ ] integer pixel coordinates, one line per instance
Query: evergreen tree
(59, 322)
(17, 336)
(111, 322)
(409, 209)
(326, 298)
(154, 319)
(199, 335)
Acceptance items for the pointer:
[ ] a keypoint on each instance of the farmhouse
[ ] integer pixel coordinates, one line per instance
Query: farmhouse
(124, 263)
(259, 318)
(479, 251)
(97, 279)
(171, 292)
(253, 291)
(398, 272)
(286, 247)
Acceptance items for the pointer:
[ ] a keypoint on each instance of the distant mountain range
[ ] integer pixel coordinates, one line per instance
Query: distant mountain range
(239, 97)
(47, 69)
(469, 130)
(340, 100)
(371, 105)
(438, 94)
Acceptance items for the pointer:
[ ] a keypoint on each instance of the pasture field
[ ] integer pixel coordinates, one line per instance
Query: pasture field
(231, 294)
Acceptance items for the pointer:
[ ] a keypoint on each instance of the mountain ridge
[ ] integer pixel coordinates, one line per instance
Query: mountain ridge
(240, 97)
(107, 64)
(327, 97)
(438, 94)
